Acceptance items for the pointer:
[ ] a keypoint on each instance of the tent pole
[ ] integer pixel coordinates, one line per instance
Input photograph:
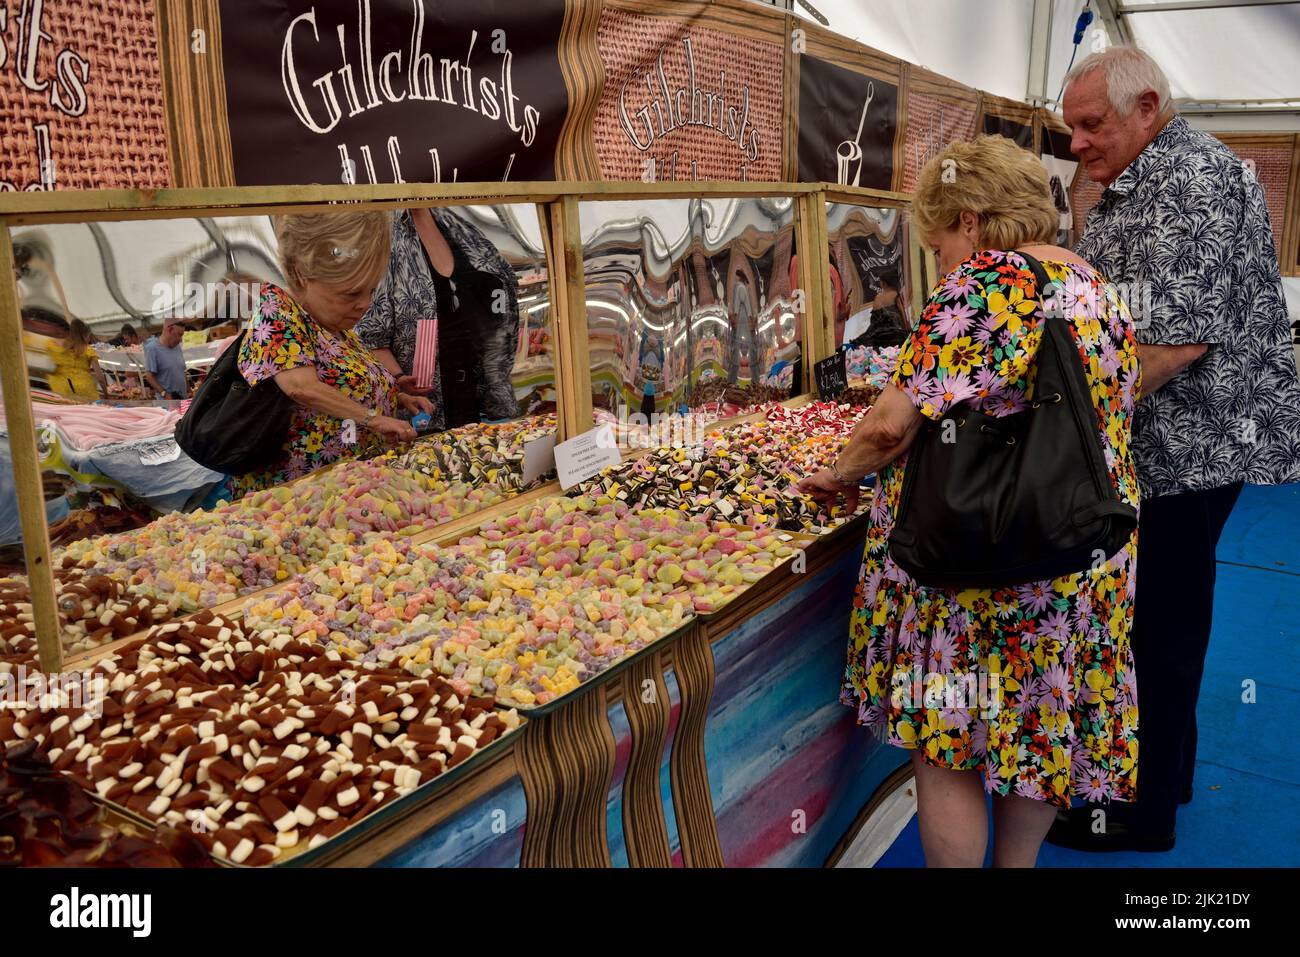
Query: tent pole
(1040, 49)
(1128, 9)
(1116, 28)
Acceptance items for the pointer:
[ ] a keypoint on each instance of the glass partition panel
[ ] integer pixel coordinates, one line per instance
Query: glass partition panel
(873, 290)
(869, 274)
(691, 304)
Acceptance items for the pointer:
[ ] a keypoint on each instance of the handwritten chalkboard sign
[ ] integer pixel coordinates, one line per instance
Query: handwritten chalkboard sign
(832, 376)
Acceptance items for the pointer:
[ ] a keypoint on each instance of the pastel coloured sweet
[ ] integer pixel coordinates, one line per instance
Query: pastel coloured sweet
(199, 559)
(535, 603)
(870, 367)
(186, 561)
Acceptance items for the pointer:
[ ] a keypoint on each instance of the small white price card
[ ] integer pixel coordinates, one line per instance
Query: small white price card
(586, 455)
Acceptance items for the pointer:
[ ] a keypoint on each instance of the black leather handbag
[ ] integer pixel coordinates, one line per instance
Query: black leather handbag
(992, 501)
(233, 427)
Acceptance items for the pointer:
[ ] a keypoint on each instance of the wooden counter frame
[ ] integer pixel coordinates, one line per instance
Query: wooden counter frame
(81, 206)
(27, 465)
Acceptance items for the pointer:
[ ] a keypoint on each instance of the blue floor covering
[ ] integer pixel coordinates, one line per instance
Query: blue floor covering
(1246, 806)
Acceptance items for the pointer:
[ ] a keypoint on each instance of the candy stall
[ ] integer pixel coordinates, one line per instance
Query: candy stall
(598, 626)
(443, 655)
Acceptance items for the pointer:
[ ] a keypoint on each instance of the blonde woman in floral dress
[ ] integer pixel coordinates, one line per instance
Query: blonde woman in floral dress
(1029, 687)
(302, 339)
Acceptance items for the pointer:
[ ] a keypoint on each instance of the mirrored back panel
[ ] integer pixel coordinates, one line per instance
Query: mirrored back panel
(123, 280)
(691, 304)
(123, 321)
(111, 286)
(871, 274)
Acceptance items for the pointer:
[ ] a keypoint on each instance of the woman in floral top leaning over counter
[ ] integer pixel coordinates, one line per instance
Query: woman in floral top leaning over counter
(302, 340)
(1031, 686)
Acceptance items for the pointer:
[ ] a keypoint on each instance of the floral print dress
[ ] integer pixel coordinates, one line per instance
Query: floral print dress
(1031, 684)
(283, 337)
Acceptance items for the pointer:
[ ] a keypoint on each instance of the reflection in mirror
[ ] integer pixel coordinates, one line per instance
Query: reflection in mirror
(691, 305)
(463, 318)
(91, 296)
(93, 293)
(870, 266)
(327, 317)
(480, 273)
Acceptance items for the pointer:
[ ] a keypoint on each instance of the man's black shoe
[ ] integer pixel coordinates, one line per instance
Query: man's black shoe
(1073, 829)
(1185, 797)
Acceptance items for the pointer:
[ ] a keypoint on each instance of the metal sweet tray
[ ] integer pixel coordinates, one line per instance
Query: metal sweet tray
(301, 856)
(800, 538)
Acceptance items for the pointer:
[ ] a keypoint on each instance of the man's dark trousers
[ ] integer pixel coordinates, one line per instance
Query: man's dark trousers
(1173, 610)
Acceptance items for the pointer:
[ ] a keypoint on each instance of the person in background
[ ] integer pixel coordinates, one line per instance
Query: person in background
(648, 399)
(1030, 684)
(77, 374)
(133, 381)
(164, 361)
(443, 268)
(303, 341)
(127, 336)
(1182, 224)
(881, 323)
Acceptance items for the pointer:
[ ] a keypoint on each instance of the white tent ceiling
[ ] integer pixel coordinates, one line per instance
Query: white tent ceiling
(1212, 50)
(941, 35)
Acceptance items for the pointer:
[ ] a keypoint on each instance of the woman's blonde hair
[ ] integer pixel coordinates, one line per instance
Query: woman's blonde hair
(345, 248)
(80, 336)
(1006, 186)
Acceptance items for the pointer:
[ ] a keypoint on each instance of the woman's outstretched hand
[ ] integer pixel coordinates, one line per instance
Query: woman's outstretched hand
(827, 489)
(395, 429)
(414, 404)
(406, 383)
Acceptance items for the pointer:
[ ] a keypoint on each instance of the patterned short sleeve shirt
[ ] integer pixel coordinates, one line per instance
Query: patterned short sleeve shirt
(1184, 232)
(407, 294)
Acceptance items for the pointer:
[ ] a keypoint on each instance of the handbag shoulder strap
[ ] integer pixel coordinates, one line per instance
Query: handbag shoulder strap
(1054, 324)
(1056, 331)
(1058, 338)
(1040, 275)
